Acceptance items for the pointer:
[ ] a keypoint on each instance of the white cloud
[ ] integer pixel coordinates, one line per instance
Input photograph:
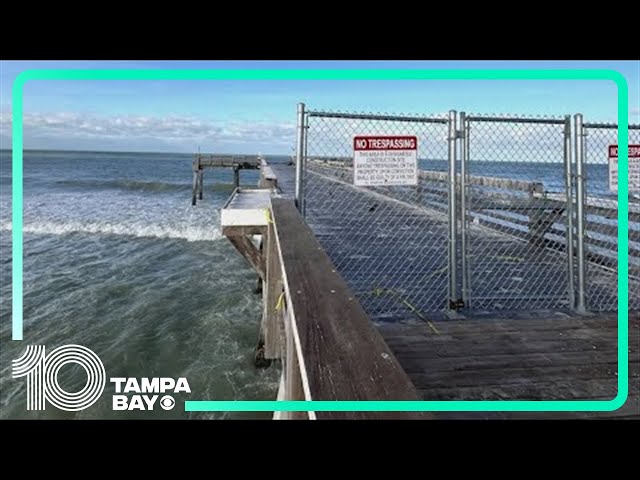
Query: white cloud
(170, 129)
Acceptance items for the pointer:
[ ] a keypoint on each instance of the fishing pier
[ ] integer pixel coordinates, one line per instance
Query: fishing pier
(483, 280)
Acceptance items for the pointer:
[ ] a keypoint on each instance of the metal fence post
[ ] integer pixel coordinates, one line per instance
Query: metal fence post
(305, 133)
(580, 217)
(453, 297)
(299, 190)
(464, 174)
(568, 176)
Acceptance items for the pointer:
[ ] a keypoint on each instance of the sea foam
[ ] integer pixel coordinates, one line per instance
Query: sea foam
(190, 233)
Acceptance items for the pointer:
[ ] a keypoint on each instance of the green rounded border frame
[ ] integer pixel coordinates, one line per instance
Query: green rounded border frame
(360, 74)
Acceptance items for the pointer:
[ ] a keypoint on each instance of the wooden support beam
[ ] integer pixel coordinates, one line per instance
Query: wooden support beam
(194, 194)
(201, 182)
(249, 251)
(259, 359)
(272, 303)
(236, 177)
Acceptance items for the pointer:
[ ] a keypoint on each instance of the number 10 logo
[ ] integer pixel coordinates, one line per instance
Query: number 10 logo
(42, 370)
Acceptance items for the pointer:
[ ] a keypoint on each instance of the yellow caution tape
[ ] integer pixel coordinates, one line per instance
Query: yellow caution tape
(280, 302)
(380, 291)
(510, 259)
(376, 292)
(414, 310)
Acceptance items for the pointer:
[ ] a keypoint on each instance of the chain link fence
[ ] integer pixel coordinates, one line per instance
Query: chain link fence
(516, 228)
(492, 227)
(601, 221)
(389, 243)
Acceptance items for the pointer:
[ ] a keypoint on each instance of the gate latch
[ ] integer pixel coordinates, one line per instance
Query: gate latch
(456, 304)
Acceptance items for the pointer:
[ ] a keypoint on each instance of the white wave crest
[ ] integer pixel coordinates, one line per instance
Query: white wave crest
(187, 232)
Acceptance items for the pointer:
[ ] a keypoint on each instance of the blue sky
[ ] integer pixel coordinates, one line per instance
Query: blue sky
(259, 116)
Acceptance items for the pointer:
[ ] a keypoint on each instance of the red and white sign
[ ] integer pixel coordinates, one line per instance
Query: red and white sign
(634, 168)
(385, 160)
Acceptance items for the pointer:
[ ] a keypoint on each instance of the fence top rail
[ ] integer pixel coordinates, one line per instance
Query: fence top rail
(369, 116)
(611, 126)
(514, 119)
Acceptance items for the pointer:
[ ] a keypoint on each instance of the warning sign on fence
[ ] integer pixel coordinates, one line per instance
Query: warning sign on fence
(385, 160)
(634, 168)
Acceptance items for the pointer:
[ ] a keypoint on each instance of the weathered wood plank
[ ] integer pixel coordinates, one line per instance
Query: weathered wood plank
(268, 179)
(294, 386)
(459, 348)
(559, 322)
(344, 356)
(551, 358)
(490, 377)
(556, 389)
(273, 289)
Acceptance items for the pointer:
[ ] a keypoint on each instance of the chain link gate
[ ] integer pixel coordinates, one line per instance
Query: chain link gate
(390, 243)
(515, 230)
(601, 220)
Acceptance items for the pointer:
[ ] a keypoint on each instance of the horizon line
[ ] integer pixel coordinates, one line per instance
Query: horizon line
(134, 151)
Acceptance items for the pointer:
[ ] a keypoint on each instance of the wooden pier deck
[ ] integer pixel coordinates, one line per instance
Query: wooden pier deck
(548, 358)
(332, 350)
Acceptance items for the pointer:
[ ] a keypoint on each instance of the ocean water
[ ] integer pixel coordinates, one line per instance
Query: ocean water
(116, 259)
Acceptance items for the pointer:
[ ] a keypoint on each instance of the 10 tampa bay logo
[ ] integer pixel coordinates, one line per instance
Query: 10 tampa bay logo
(41, 371)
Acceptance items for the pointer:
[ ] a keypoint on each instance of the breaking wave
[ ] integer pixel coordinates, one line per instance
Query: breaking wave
(189, 232)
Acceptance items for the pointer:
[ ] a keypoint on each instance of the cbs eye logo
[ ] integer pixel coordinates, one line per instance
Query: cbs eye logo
(167, 402)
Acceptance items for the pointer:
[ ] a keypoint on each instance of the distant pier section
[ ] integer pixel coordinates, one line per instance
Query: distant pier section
(236, 162)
